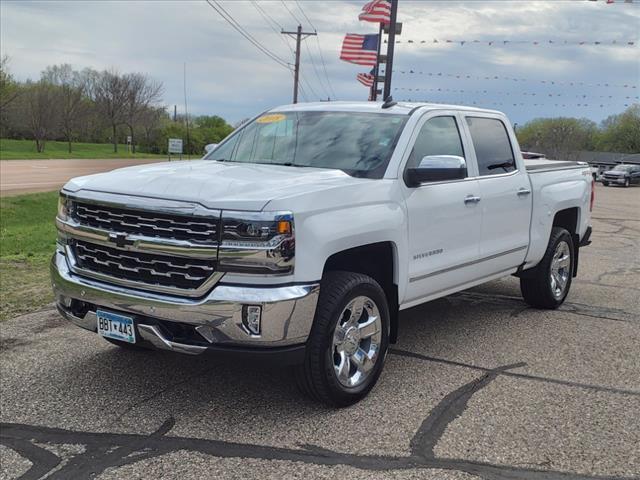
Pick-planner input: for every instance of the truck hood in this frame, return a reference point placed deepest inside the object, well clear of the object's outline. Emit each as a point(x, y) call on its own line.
point(230, 186)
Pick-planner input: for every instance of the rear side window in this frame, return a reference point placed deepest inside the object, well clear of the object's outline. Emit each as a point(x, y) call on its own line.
point(492, 146)
point(438, 136)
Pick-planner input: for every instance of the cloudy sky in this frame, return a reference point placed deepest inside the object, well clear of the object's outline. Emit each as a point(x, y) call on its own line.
point(228, 76)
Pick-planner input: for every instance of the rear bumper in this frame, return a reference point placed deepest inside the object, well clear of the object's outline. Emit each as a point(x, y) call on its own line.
point(212, 324)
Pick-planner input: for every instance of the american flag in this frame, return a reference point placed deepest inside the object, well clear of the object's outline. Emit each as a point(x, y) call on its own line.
point(378, 11)
point(366, 79)
point(360, 49)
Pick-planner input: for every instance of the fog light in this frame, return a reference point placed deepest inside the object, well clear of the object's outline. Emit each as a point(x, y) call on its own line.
point(251, 318)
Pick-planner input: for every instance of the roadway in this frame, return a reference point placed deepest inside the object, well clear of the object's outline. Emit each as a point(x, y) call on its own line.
point(28, 176)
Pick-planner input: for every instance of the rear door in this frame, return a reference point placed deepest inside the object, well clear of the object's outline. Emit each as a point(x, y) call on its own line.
point(505, 195)
point(443, 226)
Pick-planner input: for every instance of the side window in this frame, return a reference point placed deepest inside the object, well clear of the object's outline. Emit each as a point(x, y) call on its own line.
point(492, 146)
point(438, 136)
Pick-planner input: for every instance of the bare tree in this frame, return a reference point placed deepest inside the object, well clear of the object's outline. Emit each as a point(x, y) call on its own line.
point(143, 94)
point(110, 94)
point(72, 102)
point(9, 89)
point(149, 121)
point(39, 111)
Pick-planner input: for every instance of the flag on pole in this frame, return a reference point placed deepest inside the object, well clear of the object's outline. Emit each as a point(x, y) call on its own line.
point(366, 79)
point(378, 11)
point(360, 49)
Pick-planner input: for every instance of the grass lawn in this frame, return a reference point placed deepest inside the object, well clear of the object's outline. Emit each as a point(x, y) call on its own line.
point(26, 149)
point(27, 241)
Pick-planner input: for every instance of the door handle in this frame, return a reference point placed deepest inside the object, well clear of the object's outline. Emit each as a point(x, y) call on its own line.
point(523, 191)
point(471, 199)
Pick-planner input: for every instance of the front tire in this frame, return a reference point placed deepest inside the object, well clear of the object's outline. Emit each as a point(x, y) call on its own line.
point(626, 183)
point(606, 184)
point(548, 284)
point(348, 342)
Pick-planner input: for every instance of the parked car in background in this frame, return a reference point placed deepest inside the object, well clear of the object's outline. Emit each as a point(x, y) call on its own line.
point(303, 234)
point(624, 175)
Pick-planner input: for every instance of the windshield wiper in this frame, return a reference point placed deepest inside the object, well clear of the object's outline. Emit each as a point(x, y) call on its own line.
point(504, 165)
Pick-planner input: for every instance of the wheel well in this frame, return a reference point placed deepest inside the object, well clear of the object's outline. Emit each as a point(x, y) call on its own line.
point(568, 219)
point(377, 261)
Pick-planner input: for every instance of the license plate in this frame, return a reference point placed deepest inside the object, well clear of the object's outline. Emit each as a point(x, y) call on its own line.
point(116, 326)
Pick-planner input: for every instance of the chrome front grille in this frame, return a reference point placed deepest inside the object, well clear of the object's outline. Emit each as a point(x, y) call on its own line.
point(154, 245)
point(188, 274)
point(203, 230)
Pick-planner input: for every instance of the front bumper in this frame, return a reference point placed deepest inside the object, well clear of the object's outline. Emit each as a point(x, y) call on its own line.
point(619, 180)
point(193, 326)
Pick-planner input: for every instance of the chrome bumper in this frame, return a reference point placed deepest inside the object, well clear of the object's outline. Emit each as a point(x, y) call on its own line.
point(287, 312)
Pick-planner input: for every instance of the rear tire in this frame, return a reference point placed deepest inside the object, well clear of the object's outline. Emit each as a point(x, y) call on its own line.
point(547, 285)
point(346, 350)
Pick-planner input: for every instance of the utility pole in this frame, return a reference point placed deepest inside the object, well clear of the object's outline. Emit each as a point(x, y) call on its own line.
point(390, 45)
point(299, 36)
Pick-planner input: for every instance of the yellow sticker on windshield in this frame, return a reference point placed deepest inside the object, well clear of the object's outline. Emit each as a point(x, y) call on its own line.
point(274, 117)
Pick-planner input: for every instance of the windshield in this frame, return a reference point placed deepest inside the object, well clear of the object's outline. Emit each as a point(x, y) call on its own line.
point(359, 144)
point(623, 168)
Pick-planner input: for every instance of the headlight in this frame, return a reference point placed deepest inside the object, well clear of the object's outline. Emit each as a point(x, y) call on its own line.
point(63, 207)
point(257, 243)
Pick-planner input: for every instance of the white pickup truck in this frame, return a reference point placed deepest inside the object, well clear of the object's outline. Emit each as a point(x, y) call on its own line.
point(302, 236)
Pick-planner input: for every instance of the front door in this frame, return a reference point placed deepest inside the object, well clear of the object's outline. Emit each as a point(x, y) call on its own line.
point(444, 217)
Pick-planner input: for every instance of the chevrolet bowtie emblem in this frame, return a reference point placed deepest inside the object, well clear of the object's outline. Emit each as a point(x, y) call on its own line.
point(120, 239)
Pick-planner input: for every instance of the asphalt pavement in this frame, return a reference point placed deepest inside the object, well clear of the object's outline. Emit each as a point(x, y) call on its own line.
point(479, 386)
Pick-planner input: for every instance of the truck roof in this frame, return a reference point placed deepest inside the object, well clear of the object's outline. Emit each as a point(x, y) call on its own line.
point(373, 107)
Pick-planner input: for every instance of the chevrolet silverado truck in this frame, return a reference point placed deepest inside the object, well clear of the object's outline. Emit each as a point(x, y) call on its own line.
point(301, 237)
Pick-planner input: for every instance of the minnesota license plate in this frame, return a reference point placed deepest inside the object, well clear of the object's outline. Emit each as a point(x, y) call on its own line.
point(117, 327)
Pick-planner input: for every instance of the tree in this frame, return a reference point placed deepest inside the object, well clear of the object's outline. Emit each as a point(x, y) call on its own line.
point(9, 89)
point(110, 94)
point(39, 111)
point(72, 103)
point(142, 95)
point(621, 133)
point(558, 138)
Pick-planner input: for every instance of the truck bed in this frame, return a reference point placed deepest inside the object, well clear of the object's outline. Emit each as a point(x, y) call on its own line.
point(544, 165)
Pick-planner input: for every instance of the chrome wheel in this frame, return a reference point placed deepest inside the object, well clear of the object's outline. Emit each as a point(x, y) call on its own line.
point(356, 341)
point(560, 269)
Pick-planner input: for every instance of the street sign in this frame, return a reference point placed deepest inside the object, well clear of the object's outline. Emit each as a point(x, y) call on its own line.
point(175, 145)
point(129, 139)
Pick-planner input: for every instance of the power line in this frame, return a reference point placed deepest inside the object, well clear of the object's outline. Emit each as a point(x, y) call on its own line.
point(305, 16)
point(315, 69)
point(324, 67)
point(229, 18)
point(291, 13)
point(330, 90)
point(269, 21)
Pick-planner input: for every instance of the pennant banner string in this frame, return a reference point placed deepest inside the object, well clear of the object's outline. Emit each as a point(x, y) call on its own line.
point(516, 104)
point(462, 76)
point(511, 93)
point(490, 43)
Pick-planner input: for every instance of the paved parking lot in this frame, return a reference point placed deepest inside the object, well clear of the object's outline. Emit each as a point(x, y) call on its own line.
point(479, 386)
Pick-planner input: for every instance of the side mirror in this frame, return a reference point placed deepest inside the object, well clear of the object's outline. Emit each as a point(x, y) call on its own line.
point(209, 147)
point(437, 168)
